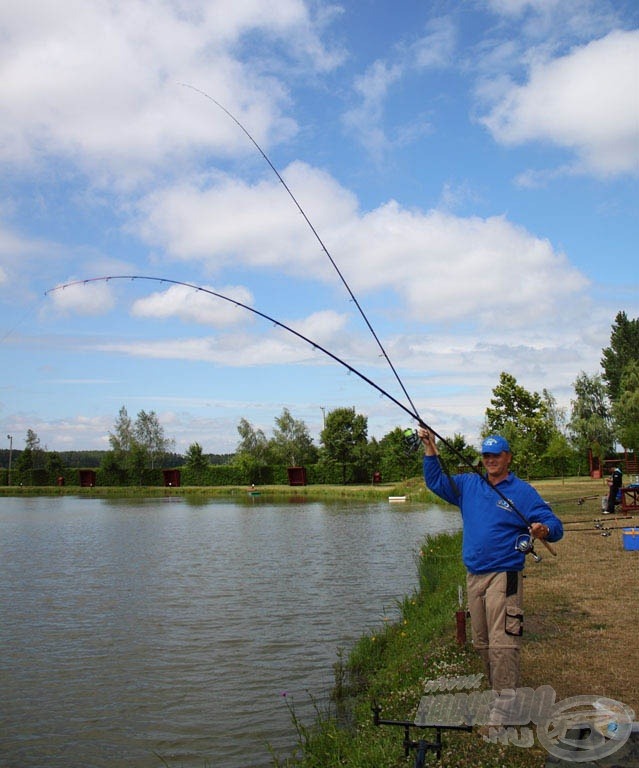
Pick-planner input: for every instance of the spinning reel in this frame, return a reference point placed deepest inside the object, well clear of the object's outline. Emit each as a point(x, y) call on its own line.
point(526, 544)
point(411, 439)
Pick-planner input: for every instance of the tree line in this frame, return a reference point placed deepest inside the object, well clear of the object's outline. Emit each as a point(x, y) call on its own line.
point(546, 440)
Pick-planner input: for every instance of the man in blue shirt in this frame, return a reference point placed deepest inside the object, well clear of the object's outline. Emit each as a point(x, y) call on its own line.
point(492, 531)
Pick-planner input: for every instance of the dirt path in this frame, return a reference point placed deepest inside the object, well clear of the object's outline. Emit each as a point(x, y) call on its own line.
point(582, 612)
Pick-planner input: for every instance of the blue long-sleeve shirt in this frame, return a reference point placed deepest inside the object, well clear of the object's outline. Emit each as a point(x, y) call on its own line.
point(491, 527)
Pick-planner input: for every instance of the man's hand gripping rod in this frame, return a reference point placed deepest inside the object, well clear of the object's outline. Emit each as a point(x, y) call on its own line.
point(527, 547)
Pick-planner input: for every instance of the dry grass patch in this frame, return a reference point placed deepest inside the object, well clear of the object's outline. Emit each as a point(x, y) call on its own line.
point(582, 607)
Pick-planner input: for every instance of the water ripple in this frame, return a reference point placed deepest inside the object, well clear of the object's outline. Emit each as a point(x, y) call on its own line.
point(140, 632)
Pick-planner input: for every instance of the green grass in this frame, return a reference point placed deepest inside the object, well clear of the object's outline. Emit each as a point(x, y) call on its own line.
point(414, 490)
point(390, 667)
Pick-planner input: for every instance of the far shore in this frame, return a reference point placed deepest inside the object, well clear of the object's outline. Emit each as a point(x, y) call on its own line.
point(414, 490)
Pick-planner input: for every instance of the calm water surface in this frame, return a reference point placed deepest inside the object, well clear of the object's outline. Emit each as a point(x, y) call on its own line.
point(162, 632)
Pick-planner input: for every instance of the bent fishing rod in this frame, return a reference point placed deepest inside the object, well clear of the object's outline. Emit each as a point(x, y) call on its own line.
point(360, 309)
point(201, 289)
point(317, 237)
point(529, 549)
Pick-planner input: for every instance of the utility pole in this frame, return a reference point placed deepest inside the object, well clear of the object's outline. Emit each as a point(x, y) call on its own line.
point(10, 439)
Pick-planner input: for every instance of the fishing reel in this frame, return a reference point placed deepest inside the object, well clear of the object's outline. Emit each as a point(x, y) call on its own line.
point(411, 439)
point(526, 544)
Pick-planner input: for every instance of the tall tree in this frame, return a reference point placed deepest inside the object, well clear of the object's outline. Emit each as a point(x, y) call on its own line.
point(122, 436)
point(623, 349)
point(524, 418)
point(252, 441)
point(196, 465)
point(29, 457)
point(292, 443)
point(25, 461)
point(32, 441)
point(451, 458)
point(136, 445)
point(559, 453)
point(397, 459)
point(54, 466)
point(344, 437)
point(252, 451)
point(195, 458)
point(149, 434)
point(626, 408)
point(137, 461)
point(34, 447)
point(590, 426)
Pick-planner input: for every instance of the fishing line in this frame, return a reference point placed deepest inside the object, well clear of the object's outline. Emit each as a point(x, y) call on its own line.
point(11, 331)
point(412, 412)
point(315, 345)
point(317, 237)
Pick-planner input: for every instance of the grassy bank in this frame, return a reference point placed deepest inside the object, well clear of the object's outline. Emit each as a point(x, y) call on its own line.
point(390, 667)
point(581, 618)
point(414, 489)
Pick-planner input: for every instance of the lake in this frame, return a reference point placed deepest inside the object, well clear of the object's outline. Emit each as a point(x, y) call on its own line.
point(146, 633)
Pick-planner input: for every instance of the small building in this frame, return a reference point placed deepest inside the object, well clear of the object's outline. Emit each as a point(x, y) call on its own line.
point(594, 465)
point(297, 475)
point(172, 478)
point(87, 478)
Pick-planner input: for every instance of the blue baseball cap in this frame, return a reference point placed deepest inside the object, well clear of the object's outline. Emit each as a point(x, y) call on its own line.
point(495, 444)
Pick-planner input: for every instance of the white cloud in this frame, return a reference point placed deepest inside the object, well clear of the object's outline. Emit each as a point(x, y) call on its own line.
point(14, 247)
point(76, 432)
point(442, 267)
point(434, 50)
point(226, 221)
point(453, 269)
point(365, 119)
point(98, 83)
point(231, 350)
point(236, 349)
point(85, 298)
point(586, 101)
point(194, 305)
point(321, 326)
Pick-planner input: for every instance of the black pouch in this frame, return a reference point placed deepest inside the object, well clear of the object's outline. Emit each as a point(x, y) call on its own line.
point(514, 622)
point(512, 583)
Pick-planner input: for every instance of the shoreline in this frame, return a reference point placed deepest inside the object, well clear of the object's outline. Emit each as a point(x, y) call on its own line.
point(580, 626)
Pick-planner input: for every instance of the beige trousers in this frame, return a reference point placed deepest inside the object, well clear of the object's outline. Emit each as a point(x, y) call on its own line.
point(495, 601)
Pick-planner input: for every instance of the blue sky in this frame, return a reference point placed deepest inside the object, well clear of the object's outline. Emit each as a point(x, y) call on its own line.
point(471, 167)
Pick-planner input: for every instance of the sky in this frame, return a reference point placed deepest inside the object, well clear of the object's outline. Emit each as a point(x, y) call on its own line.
point(463, 184)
